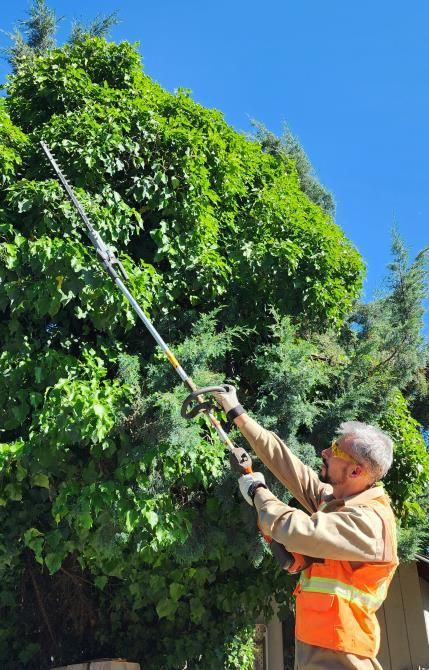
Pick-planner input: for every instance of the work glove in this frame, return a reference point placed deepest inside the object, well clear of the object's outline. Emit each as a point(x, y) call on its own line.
point(229, 402)
point(249, 484)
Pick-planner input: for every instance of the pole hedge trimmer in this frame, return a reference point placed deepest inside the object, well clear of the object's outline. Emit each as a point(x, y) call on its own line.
point(239, 458)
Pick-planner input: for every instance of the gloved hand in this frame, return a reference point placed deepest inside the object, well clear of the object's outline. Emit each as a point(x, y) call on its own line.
point(246, 482)
point(229, 401)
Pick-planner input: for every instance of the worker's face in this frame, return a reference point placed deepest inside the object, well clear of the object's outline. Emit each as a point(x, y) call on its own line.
point(338, 463)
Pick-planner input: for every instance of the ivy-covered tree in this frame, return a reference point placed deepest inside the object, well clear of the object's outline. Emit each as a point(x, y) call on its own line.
point(122, 532)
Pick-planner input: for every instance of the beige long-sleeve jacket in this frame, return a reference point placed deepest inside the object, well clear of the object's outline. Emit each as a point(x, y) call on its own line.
point(347, 530)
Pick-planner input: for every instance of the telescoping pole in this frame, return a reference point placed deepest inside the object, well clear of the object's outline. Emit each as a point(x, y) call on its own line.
point(109, 260)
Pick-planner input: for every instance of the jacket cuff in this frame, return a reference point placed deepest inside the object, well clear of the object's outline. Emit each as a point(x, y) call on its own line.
point(234, 412)
point(263, 495)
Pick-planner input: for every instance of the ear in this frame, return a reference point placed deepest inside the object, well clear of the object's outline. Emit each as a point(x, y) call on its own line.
point(356, 471)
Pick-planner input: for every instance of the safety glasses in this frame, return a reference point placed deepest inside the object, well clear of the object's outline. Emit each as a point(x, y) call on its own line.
point(339, 453)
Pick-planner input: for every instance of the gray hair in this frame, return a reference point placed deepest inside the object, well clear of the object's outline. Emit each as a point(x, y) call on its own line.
point(369, 445)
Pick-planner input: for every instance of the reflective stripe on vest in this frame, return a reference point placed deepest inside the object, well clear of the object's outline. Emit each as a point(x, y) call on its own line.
point(345, 591)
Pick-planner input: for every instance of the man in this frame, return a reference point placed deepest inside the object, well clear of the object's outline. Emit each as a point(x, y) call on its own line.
point(350, 528)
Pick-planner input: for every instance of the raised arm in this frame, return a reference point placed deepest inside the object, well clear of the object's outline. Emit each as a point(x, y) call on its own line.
point(302, 481)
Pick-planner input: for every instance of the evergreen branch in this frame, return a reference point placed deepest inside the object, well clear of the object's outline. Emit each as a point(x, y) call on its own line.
point(326, 359)
point(389, 358)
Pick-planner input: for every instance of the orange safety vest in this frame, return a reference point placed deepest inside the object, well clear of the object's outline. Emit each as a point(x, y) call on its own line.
point(336, 601)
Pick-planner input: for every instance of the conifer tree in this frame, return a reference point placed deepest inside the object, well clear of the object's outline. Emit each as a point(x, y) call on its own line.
point(290, 146)
point(98, 27)
point(36, 36)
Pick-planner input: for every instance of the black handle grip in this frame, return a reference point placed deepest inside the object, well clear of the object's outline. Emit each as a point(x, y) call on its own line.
point(292, 563)
point(283, 557)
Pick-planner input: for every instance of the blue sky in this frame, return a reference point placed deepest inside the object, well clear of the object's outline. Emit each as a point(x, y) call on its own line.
point(349, 79)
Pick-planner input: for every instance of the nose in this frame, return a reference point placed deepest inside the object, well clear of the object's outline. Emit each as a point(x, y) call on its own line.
point(326, 452)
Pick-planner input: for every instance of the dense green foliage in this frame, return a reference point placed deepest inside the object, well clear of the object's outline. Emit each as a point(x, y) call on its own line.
point(122, 532)
point(409, 440)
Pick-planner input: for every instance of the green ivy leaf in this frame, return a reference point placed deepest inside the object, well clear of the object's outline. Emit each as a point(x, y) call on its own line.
point(166, 607)
point(53, 562)
point(100, 582)
point(34, 539)
point(197, 610)
point(24, 205)
point(40, 479)
point(152, 518)
point(13, 491)
point(177, 590)
point(85, 519)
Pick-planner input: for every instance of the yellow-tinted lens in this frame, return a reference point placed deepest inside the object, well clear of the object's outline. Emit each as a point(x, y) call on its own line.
point(339, 453)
